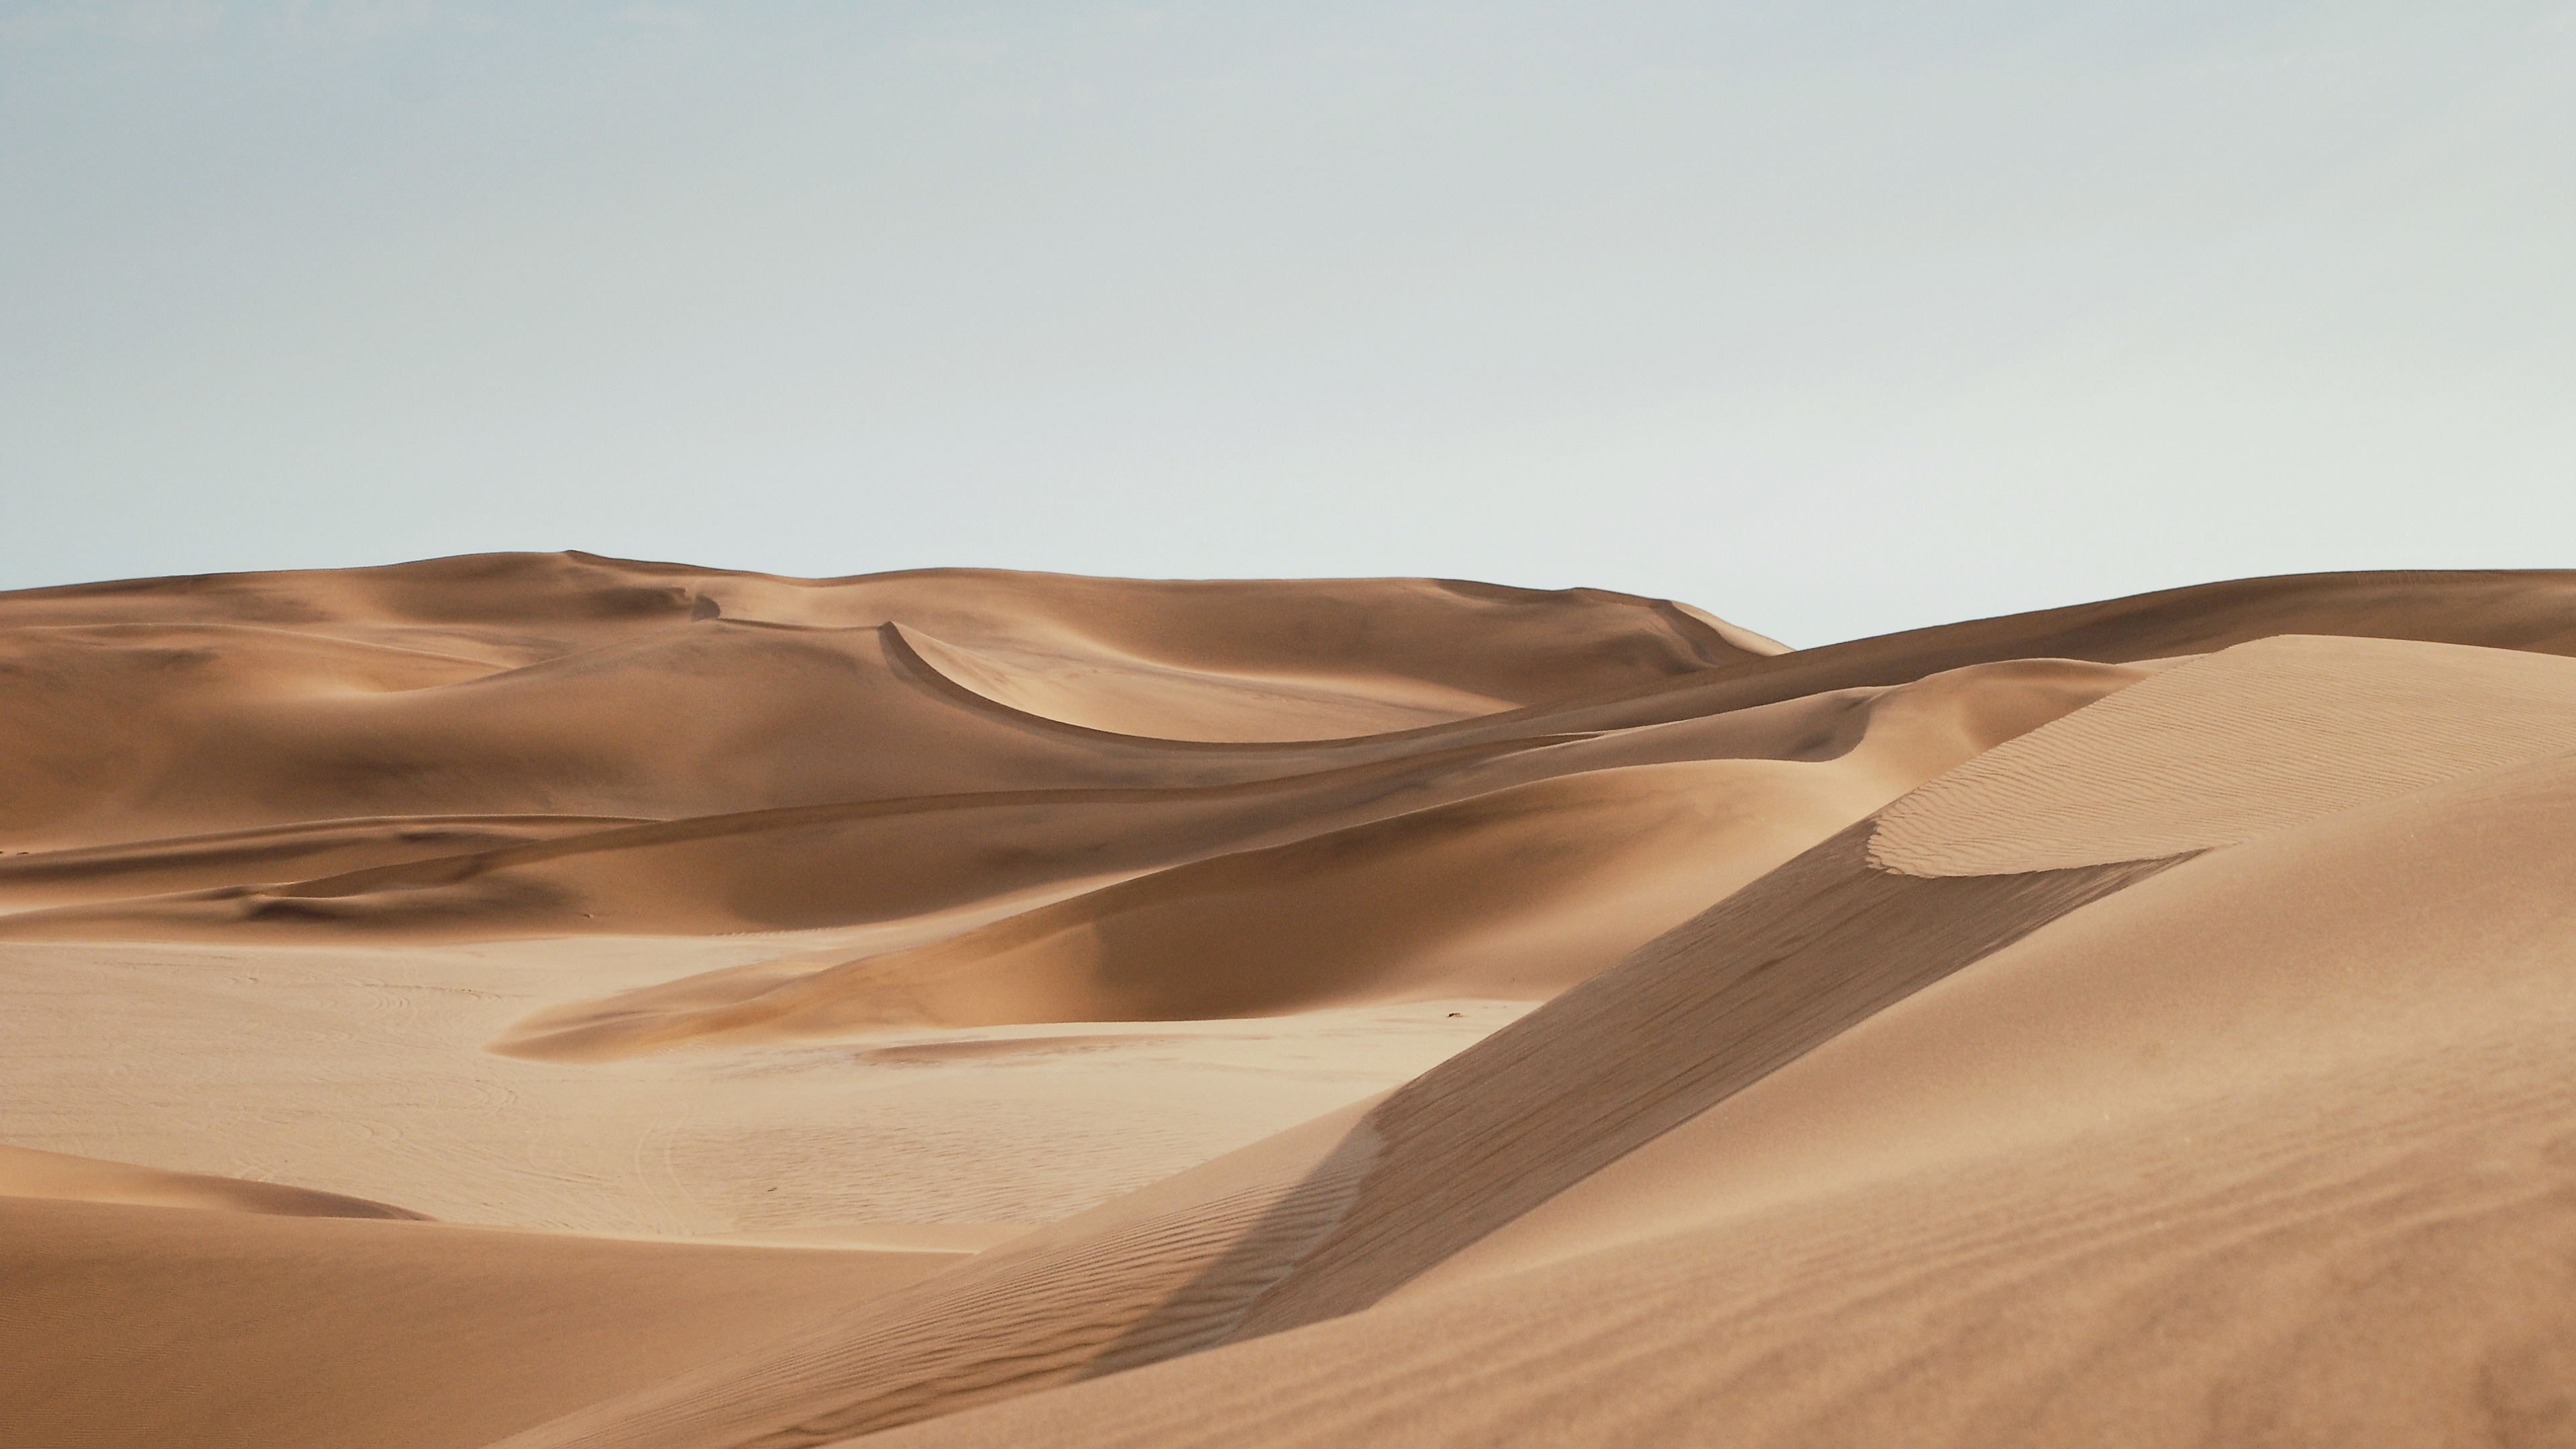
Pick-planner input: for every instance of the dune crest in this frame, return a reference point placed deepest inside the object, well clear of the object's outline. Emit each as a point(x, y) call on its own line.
point(1511, 892)
point(2230, 746)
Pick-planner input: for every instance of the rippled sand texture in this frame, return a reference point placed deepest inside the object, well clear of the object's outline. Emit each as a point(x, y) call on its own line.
point(559, 1001)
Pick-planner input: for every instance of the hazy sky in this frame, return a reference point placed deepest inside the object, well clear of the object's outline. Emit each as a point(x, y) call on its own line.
point(1831, 317)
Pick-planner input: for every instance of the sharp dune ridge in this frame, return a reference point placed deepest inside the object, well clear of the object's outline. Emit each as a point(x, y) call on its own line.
point(535, 1001)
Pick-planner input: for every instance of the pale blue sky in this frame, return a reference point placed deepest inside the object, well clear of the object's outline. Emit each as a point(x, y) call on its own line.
point(1831, 317)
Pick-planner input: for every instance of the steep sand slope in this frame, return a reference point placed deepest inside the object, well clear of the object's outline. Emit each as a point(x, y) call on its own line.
point(2270, 1146)
point(2233, 745)
point(139, 1326)
point(2235, 972)
point(1274, 1237)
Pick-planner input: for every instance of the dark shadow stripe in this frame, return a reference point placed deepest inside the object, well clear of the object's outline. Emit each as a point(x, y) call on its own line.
point(1691, 1018)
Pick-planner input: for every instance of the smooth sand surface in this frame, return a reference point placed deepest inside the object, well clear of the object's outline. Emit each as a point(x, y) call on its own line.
point(2231, 746)
point(973, 1008)
point(25, 1173)
point(143, 1325)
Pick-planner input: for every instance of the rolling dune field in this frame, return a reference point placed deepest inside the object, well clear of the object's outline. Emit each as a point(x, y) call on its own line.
point(537, 1001)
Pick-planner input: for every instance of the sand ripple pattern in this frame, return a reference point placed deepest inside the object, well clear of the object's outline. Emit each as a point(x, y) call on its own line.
point(2234, 745)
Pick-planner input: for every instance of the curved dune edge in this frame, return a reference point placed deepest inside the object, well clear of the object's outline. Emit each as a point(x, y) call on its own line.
point(838, 864)
point(1697, 1015)
point(28, 1173)
point(2038, 1030)
point(1350, 1207)
point(572, 685)
point(1138, 699)
point(2272, 1145)
point(1515, 892)
point(1506, 1127)
point(792, 868)
point(2230, 746)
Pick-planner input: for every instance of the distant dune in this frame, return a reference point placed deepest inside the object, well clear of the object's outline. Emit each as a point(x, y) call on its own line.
point(985, 1009)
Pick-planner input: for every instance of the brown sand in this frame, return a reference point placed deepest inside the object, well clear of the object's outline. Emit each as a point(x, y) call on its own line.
point(143, 1325)
point(982, 1008)
point(27, 1173)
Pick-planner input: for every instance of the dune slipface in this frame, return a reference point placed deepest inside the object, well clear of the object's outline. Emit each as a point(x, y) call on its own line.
point(561, 1001)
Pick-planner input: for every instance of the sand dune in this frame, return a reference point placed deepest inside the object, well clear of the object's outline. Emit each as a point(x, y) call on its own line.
point(1384, 1011)
point(142, 1325)
point(519, 684)
point(2232, 746)
point(26, 1173)
point(1518, 891)
point(2268, 1147)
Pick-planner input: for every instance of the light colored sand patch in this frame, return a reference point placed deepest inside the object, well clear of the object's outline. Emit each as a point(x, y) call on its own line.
point(362, 1072)
point(2231, 746)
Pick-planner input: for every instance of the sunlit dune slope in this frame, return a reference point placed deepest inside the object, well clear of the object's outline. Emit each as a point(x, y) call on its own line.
point(2136, 1023)
point(1518, 890)
point(515, 744)
point(26, 1173)
point(2266, 1146)
point(566, 684)
point(2233, 745)
point(1362, 1209)
point(873, 860)
point(2533, 611)
point(2236, 1196)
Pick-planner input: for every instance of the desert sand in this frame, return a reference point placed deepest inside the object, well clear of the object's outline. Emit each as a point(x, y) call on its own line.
point(550, 1000)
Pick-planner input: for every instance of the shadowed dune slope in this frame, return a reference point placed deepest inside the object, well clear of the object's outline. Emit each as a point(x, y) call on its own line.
point(235, 734)
point(2270, 1147)
point(140, 870)
point(1767, 782)
point(27, 1173)
point(1160, 1272)
point(130, 1325)
point(1694, 1016)
point(1467, 1171)
point(2529, 610)
point(1359, 1207)
point(2137, 1023)
point(1517, 891)
point(543, 684)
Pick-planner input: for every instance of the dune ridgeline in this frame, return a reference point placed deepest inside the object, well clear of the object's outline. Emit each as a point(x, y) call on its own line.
point(557, 1002)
